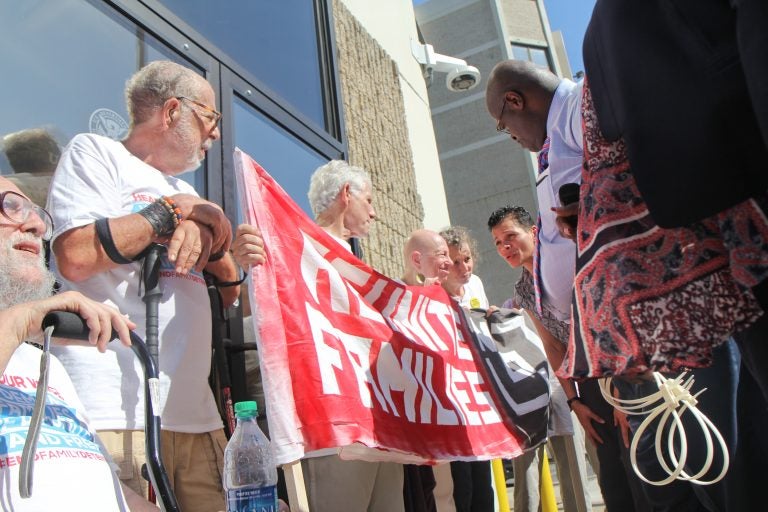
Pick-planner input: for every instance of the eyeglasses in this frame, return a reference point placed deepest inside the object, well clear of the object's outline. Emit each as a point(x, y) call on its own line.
point(17, 209)
point(212, 115)
point(500, 125)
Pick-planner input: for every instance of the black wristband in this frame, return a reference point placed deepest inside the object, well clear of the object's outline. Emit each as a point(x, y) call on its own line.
point(160, 218)
point(571, 400)
point(105, 238)
point(216, 256)
point(225, 284)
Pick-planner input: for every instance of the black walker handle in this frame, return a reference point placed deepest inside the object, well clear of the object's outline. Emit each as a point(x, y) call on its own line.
point(150, 276)
point(72, 326)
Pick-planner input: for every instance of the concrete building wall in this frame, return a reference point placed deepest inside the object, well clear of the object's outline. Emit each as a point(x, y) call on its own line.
point(391, 26)
point(523, 21)
point(482, 169)
point(461, 25)
point(561, 55)
point(379, 139)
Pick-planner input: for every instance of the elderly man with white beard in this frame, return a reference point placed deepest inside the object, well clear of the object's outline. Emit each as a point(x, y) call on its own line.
point(67, 446)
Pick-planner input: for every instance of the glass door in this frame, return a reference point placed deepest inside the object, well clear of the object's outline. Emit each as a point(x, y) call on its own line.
point(64, 65)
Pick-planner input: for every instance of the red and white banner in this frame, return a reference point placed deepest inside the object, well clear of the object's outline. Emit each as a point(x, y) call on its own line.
point(351, 358)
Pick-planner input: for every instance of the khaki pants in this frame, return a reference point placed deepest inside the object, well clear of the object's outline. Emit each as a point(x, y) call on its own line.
point(571, 469)
point(443, 487)
point(193, 462)
point(335, 485)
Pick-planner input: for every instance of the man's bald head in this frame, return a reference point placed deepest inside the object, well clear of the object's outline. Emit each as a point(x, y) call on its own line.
point(426, 254)
point(421, 240)
point(518, 96)
point(517, 75)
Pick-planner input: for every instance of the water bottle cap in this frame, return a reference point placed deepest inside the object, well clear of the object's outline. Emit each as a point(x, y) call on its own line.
point(248, 408)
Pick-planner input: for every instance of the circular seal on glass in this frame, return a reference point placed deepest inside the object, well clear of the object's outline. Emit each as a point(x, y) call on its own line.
point(108, 123)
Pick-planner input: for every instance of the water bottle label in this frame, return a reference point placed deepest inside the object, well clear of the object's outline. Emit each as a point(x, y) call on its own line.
point(252, 499)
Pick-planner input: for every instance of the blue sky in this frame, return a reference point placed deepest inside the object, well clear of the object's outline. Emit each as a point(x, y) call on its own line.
point(571, 18)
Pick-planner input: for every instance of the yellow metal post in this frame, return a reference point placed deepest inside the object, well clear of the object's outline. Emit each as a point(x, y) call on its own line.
point(501, 485)
point(548, 501)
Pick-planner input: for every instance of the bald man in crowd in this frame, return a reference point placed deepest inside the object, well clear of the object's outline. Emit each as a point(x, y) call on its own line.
point(542, 113)
point(426, 258)
point(427, 262)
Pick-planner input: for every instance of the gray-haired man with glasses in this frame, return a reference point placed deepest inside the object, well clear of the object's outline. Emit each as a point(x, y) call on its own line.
point(110, 201)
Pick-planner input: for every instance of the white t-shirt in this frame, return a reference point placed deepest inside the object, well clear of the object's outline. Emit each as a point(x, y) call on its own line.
point(71, 470)
point(97, 177)
point(558, 254)
point(474, 294)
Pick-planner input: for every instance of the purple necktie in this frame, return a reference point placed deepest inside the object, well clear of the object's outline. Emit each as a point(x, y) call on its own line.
point(543, 164)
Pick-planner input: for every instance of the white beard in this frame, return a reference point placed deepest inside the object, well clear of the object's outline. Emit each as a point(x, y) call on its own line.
point(185, 140)
point(20, 279)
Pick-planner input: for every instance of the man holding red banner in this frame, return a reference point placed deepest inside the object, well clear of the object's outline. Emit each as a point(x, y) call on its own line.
point(340, 196)
point(359, 362)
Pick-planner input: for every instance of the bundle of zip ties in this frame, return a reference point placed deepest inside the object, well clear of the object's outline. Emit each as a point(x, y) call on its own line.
point(673, 399)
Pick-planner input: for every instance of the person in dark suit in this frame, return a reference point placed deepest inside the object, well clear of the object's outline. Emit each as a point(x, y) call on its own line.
point(685, 84)
point(679, 91)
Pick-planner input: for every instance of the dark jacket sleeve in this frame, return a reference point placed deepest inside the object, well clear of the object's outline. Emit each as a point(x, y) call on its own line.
point(666, 75)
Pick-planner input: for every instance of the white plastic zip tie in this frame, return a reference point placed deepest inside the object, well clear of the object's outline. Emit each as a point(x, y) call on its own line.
point(26, 468)
point(673, 399)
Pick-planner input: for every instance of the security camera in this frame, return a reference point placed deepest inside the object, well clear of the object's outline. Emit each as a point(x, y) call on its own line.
point(461, 77)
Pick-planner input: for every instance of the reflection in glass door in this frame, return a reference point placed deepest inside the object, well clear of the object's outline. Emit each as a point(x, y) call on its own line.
point(287, 159)
point(273, 42)
point(69, 60)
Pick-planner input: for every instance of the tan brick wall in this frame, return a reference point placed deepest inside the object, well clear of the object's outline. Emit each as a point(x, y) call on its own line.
point(374, 114)
point(523, 19)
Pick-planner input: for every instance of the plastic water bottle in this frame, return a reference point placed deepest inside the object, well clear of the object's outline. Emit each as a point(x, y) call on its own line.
point(250, 475)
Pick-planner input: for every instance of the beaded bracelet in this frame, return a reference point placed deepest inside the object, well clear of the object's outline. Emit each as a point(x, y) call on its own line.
point(173, 208)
